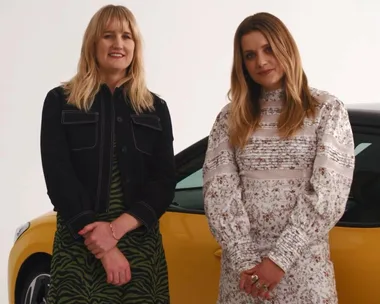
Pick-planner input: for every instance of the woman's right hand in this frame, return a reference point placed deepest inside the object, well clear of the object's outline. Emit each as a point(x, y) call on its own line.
point(117, 267)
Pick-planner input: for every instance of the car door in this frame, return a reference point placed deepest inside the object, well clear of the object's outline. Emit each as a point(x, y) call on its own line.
point(355, 246)
point(192, 253)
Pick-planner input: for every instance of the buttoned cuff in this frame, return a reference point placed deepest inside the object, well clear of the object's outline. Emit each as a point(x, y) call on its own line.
point(288, 248)
point(79, 221)
point(243, 256)
point(144, 213)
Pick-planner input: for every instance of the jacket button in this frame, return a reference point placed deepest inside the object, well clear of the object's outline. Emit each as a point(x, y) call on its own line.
point(124, 149)
point(119, 119)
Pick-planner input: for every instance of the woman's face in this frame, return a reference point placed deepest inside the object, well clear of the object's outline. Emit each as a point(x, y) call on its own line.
point(115, 49)
point(260, 62)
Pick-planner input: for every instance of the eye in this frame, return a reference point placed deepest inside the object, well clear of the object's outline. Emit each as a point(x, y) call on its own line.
point(250, 56)
point(127, 36)
point(107, 36)
point(268, 50)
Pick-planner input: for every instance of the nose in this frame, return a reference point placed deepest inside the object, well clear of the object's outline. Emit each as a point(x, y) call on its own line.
point(118, 43)
point(262, 60)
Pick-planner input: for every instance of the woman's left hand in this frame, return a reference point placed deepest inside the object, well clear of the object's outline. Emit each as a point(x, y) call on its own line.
point(98, 238)
point(267, 275)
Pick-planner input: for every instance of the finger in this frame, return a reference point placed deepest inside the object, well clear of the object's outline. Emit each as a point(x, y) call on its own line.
point(246, 277)
point(263, 291)
point(100, 255)
point(250, 279)
point(116, 279)
point(128, 274)
point(96, 251)
point(256, 288)
point(88, 228)
point(248, 284)
point(94, 248)
point(251, 271)
point(90, 246)
point(109, 277)
point(272, 286)
point(89, 240)
point(268, 294)
point(242, 284)
point(122, 277)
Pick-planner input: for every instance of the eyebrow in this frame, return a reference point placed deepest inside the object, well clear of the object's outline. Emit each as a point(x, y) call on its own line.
point(112, 32)
point(262, 47)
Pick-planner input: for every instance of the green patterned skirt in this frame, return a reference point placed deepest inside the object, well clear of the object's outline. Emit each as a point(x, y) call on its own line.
point(77, 277)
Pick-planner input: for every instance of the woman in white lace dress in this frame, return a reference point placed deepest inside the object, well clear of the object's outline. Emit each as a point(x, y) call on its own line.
point(277, 174)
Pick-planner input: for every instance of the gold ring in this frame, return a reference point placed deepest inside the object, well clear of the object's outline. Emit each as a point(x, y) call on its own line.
point(254, 278)
point(258, 285)
point(265, 287)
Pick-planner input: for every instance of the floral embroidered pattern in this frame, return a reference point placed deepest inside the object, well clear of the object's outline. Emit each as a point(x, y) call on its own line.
point(280, 198)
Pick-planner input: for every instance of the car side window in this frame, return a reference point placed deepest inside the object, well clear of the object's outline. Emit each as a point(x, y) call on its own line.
point(194, 180)
point(189, 195)
point(363, 206)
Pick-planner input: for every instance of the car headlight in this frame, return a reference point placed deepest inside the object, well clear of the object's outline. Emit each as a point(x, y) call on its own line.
point(20, 230)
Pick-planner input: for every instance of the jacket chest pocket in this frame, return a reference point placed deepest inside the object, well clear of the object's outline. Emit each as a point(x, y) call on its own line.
point(146, 130)
point(81, 129)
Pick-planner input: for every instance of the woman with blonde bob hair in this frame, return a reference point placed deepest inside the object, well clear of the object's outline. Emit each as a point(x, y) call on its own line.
point(277, 173)
point(108, 162)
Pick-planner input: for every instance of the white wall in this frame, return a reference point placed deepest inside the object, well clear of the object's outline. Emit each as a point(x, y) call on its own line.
point(188, 58)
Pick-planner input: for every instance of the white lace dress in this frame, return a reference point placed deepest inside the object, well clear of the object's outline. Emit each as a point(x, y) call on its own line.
point(279, 198)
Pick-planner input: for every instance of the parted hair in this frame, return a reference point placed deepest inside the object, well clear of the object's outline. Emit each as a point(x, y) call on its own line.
point(83, 87)
point(244, 93)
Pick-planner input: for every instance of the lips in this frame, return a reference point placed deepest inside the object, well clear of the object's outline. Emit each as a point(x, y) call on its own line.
point(116, 55)
point(265, 72)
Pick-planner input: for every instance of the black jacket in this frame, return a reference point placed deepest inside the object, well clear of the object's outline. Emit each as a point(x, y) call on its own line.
point(77, 149)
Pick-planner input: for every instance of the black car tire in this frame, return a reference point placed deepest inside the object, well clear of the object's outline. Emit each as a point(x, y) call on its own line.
point(35, 287)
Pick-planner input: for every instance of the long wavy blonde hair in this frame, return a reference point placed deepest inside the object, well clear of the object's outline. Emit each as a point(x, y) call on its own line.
point(244, 93)
point(83, 87)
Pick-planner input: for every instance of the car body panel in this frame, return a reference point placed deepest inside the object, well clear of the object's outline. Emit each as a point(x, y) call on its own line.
point(193, 256)
point(355, 253)
point(38, 238)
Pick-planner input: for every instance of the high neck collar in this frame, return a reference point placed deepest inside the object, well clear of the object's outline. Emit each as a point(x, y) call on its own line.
point(273, 95)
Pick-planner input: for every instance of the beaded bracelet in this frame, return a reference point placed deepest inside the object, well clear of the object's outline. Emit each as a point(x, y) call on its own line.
point(113, 233)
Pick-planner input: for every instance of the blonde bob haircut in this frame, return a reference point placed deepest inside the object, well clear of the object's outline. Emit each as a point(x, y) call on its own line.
point(83, 87)
point(244, 93)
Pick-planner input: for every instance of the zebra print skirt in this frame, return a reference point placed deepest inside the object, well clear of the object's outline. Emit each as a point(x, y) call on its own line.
point(77, 277)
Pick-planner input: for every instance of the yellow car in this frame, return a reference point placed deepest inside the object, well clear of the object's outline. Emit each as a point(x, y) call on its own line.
point(192, 253)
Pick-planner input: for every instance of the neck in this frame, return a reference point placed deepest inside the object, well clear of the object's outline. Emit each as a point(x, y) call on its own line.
point(272, 94)
point(112, 80)
point(271, 89)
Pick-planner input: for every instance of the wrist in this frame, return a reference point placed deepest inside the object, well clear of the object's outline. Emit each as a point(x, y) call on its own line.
point(113, 232)
point(124, 224)
point(274, 263)
point(109, 252)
